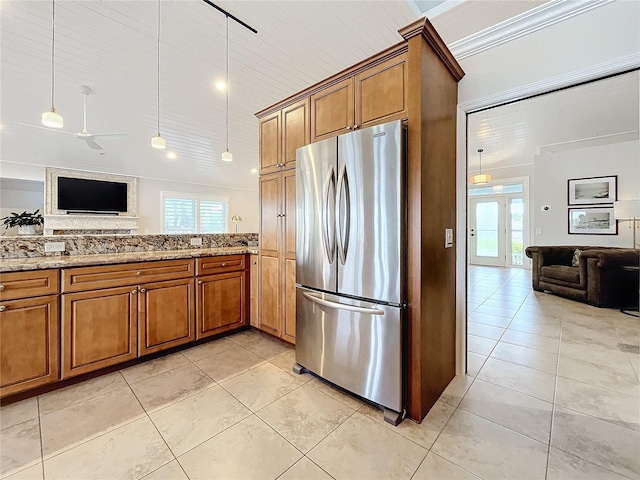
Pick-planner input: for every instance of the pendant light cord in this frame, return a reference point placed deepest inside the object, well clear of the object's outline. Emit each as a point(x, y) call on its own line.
point(53, 50)
point(158, 105)
point(480, 150)
point(227, 83)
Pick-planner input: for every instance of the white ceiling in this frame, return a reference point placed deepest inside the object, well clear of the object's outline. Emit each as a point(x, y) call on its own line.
point(111, 47)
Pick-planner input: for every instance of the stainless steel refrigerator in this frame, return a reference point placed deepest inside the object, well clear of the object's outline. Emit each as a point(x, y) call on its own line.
point(350, 263)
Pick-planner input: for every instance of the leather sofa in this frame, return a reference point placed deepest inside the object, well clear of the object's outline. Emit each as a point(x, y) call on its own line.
point(598, 279)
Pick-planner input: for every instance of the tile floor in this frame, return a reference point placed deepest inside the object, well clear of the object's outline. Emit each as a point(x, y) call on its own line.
point(551, 392)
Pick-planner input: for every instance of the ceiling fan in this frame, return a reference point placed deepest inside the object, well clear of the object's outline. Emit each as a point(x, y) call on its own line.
point(84, 134)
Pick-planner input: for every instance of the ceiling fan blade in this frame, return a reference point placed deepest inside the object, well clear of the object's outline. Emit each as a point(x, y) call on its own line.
point(109, 134)
point(92, 143)
point(44, 128)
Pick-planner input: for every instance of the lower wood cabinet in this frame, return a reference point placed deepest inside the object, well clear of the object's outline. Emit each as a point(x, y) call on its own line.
point(253, 291)
point(29, 343)
point(269, 292)
point(221, 303)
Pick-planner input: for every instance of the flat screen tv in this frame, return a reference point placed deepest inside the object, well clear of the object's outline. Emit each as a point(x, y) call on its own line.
point(82, 195)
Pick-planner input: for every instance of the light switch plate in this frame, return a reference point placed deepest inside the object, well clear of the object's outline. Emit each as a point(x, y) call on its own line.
point(54, 247)
point(448, 238)
point(196, 242)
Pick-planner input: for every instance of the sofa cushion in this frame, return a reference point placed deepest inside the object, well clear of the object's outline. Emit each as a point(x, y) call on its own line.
point(561, 272)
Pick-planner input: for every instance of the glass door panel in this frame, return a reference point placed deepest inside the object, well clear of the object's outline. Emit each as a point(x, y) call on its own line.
point(486, 231)
point(516, 224)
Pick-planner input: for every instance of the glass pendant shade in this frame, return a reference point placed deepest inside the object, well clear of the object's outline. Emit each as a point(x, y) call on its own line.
point(158, 142)
point(480, 179)
point(52, 119)
point(227, 156)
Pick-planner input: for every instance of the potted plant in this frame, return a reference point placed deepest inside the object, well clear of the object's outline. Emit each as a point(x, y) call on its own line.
point(26, 222)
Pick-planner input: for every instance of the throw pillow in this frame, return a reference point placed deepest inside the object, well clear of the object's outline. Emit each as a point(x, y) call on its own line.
point(575, 261)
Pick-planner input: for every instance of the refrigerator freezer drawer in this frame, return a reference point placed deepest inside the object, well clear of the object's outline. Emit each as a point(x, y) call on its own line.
point(356, 345)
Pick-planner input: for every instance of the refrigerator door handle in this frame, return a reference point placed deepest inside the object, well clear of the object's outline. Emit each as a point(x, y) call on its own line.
point(342, 306)
point(328, 234)
point(343, 237)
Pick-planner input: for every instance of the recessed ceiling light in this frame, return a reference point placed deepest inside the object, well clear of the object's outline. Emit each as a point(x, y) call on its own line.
point(254, 170)
point(172, 155)
point(221, 85)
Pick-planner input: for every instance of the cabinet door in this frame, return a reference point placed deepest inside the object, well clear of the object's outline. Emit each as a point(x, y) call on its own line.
point(296, 130)
point(289, 219)
point(381, 93)
point(98, 329)
point(221, 303)
point(165, 315)
point(270, 146)
point(332, 110)
point(29, 349)
point(270, 211)
point(269, 291)
point(253, 291)
point(289, 300)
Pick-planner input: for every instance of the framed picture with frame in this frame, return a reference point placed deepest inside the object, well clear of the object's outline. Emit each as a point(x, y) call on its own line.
point(593, 190)
point(592, 221)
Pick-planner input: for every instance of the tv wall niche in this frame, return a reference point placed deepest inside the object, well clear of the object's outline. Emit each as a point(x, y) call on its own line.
point(58, 220)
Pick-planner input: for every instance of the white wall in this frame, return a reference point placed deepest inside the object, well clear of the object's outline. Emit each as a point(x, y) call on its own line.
point(554, 169)
point(19, 196)
point(241, 202)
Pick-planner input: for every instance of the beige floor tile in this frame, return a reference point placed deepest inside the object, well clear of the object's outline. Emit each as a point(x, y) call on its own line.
point(268, 348)
point(608, 445)
point(305, 469)
point(484, 331)
point(503, 302)
point(542, 329)
point(435, 467)
point(170, 471)
point(79, 392)
point(513, 410)
point(599, 402)
point(334, 392)
point(498, 311)
point(479, 345)
point(285, 361)
point(154, 367)
point(600, 375)
point(208, 349)
point(169, 387)
point(131, 451)
point(34, 472)
point(245, 338)
point(424, 433)
point(248, 450)
point(597, 354)
point(361, 448)
point(18, 412)
point(474, 363)
point(536, 342)
point(563, 466)
point(521, 379)
point(191, 421)
point(456, 389)
point(261, 386)
point(487, 319)
point(527, 357)
point(489, 450)
point(20, 447)
point(305, 416)
point(66, 428)
point(228, 364)
point(536, 317)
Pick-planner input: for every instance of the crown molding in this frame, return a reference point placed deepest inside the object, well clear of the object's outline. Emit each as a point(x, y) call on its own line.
point(592, 72)
point(537, 18)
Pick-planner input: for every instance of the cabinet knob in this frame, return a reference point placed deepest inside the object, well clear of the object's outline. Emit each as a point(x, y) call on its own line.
point(254, 263)
point(138, 273)
point(2, 308)
point(223, 264)
point(348, 127)
point(355, 127)
point(133, 292)
point(199, 282)
point(142, 290)
point(1, 288)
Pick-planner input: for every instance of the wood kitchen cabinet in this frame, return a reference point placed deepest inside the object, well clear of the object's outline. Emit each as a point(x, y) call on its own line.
point(221, 296)
point(253, 290)
point(281, 134)
point(373, 96)
point(276, 288)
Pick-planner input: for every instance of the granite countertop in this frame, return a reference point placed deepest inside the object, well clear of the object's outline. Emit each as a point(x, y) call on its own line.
point(66, 261)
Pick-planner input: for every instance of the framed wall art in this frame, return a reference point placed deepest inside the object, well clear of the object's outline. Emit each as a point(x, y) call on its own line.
point(592, 191)
point(592, 221)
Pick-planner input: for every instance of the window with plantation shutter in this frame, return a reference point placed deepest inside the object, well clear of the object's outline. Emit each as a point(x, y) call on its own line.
point(188, 213)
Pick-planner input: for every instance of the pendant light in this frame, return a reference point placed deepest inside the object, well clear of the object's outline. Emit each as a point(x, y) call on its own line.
point(480, 178)
point(226, 155)
point(157, 141)
point(52, 118)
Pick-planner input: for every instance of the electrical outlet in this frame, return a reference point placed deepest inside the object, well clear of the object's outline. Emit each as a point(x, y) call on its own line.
point(196, 242)
point(448, 238)
point(545, 208)
point(54, 247)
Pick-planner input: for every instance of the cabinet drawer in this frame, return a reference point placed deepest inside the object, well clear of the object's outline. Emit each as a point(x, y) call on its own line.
point(105, 276)
point(227, 263)
point(28, 284)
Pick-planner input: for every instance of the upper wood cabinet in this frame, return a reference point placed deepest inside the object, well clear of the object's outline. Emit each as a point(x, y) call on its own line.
point(270, 212)
point(373, 96)
point(281, 134)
